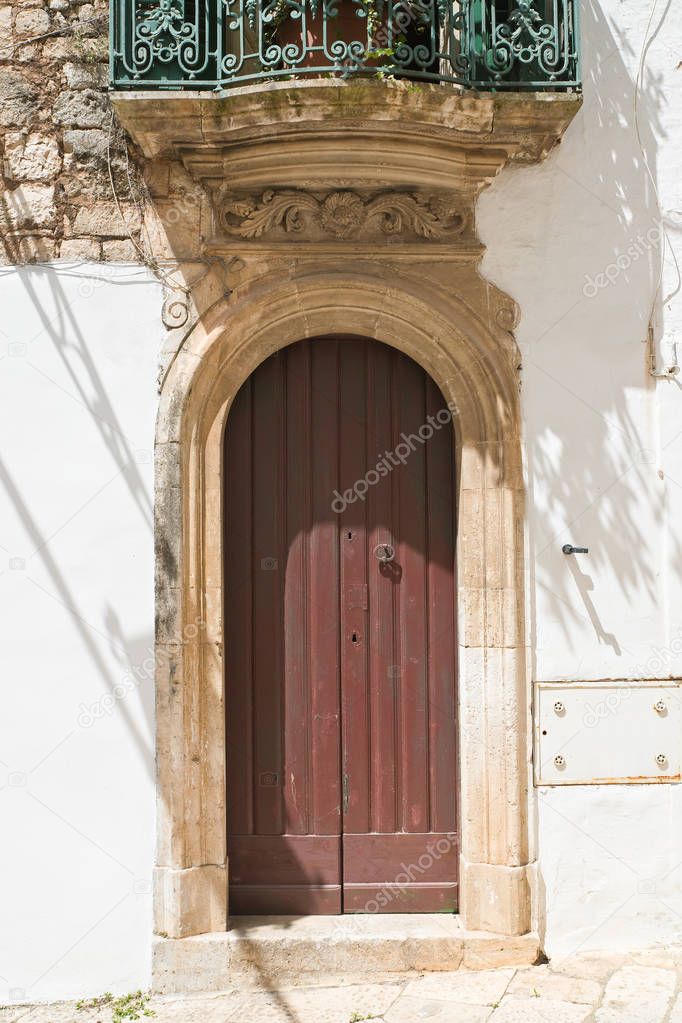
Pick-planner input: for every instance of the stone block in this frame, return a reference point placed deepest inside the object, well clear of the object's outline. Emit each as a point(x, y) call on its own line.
point(90, 22)
point(122, 251)
point(6, 36)
point(84, 108)
point(18, 100)
point(86, 143)
point(105, 220)
point(27, 206)
point(57, 48)
point(33, 157)
point(95, 51)
point(29, 249)
point(495, 898)
point(28, 54)
point(190, 901)
point(157, 177)
point(85, 76)
point(32, 22)
point(173, 228)
point(86, 249)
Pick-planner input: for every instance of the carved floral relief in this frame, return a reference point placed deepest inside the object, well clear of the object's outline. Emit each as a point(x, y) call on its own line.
point(297, 215)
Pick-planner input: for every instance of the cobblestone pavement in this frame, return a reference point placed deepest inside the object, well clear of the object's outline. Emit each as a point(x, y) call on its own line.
point(641, 987)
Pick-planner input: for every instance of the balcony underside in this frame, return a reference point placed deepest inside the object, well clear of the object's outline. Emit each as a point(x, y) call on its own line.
point(363, 136)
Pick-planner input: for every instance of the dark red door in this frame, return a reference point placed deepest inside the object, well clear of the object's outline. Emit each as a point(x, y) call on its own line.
point(340, 635)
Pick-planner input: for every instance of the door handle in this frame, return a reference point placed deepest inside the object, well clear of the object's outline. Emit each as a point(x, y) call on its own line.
point(384, 552)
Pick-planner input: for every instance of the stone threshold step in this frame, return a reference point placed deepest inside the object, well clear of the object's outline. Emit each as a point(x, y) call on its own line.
point(267, 952)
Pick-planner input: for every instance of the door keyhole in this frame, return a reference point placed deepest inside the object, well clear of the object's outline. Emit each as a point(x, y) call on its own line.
point(355, 638)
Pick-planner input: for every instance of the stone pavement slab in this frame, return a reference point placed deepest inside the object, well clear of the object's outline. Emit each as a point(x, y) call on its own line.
point(597, 966)
point(483, 987)
point(637, 994)
point(643, 987)
point(539, 1010)
point(542, 982)
point(317, 1005)
point(676, 1014)
point(411, 1010)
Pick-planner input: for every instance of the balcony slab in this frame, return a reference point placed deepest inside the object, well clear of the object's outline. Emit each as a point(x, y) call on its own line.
point(439, 144)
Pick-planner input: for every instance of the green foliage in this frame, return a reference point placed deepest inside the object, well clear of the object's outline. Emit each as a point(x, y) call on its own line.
point(125, 1007)
point(95, 1003)
point(388, 51)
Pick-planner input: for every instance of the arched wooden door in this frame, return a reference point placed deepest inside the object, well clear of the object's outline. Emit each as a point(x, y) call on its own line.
point(340, 635)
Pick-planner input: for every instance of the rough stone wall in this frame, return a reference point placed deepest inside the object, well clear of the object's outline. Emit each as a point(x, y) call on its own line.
point(71, 185)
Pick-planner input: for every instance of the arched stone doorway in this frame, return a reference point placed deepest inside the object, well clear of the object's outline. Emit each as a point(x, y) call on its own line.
point(472, 359)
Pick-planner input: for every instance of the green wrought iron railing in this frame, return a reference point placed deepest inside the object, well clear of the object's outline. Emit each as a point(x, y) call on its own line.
point(215, 44)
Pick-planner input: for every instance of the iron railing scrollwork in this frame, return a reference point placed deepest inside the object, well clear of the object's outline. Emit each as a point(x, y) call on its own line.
point(215, 44)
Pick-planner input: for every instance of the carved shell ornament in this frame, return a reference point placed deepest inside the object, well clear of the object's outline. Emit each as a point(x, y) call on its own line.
point(338, 215)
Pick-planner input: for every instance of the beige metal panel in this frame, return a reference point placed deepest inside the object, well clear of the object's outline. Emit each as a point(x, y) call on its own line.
point(596, 733)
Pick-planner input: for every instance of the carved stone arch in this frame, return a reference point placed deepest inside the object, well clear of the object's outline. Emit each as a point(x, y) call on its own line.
point(473, 360)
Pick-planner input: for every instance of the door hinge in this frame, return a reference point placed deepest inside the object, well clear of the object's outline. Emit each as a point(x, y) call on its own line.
point(346, 793)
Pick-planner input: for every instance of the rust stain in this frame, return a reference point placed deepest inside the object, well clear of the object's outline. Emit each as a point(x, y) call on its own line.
point(638, 779)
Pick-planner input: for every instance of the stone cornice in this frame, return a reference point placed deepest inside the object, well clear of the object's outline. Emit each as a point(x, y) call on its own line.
point(164, 122)
point(364, 137)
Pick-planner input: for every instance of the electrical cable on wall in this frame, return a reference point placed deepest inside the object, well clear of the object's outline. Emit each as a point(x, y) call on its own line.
point(175, 311)
point(673, 370)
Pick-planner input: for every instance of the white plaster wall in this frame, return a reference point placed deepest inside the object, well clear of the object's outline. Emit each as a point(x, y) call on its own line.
point(611, 866)
point(603, 447)
point(78, 361)
point(78, 357)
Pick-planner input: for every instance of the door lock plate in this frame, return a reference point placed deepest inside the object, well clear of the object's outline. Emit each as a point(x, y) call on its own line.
point(356, 596)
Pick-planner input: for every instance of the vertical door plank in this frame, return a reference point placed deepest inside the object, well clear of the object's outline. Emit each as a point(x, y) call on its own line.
point(239, 617)
point(384, 669)
point(353, 547)
point(412, 558)
point(324, 639)
point(296, 499)
point(268, 567)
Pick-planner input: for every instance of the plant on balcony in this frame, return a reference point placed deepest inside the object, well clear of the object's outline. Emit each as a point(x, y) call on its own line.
point(355, 35)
